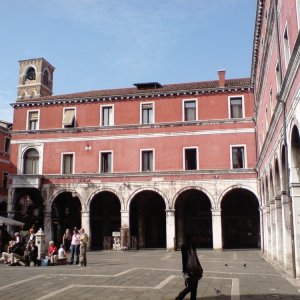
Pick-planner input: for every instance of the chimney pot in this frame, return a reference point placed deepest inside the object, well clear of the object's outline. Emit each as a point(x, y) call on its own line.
point(221, 74)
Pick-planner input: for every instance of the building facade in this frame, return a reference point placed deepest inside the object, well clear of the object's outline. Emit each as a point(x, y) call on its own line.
point(6, 167)
point(153, 161)
point(275, 78)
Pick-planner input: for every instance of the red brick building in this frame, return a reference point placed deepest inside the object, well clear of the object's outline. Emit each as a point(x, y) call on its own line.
point(154, 161)
point(6, 168)
point(276, 77)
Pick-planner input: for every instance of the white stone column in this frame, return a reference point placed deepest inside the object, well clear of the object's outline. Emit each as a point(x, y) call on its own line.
point(217, 229)
point(48, 229)
point(273, 230)
point(278, 224)
point(268, 231)
point(125, 232)
point(170, 228)
point(85, 223)
point(287, 247)
point(295, 196)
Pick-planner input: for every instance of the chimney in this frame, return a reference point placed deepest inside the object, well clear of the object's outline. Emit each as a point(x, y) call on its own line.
point(221, 74)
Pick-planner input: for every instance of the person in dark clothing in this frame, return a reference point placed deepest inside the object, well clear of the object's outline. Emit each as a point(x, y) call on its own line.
point(188, 252)
point(31, 254)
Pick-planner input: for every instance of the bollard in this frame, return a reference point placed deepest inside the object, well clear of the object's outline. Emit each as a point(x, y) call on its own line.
point(40, 243)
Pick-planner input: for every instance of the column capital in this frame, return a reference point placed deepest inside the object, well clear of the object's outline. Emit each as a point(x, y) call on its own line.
point(216, 211)
point(170, 212)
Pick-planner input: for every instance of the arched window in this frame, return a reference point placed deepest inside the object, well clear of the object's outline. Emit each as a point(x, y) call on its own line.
point(30, 74)
point(31, 162)
point(46, 77)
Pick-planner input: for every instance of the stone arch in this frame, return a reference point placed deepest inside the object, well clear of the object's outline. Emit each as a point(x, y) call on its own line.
point(65, 207)
point(46, 76)
point(283, 167)
point(147, 218)
point(272, 185)
point(28, 206)
point(105, 217)
point(137, 191)
point(277, 176)
point(295, 153)
point(30, 73)
point(193, 215)
point(64, 190)
point(236, 186)
point(205, 191)
point(113, 191)
point(240, 219)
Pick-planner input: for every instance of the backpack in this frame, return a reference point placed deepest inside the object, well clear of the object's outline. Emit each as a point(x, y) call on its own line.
point(194, 268)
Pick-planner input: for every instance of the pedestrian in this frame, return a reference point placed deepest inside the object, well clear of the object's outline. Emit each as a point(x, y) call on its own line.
point(191, 269)
point(83, 247)
point(66, 240)
point(75, 246)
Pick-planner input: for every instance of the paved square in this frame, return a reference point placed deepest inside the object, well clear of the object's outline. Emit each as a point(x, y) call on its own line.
point(149, 274)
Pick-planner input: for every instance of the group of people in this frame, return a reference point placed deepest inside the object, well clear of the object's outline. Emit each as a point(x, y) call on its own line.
point(75, 242)
point(20, 248)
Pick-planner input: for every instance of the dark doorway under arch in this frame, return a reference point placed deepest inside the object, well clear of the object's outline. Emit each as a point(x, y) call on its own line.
point(193, 217)
point(29, 207)
point(148, 220)
point(65, 213)
point(240, 219)
point(105, 217)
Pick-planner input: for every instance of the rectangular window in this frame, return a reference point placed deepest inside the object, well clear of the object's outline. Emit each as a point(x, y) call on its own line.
point(67, 163)
point(190, 159)
point(106, 162)
point(238, 157)
point(7, 145)
point(5, 180)
point(69, 118)
point(147, 160)
point(33, 120)
point(236, 107)
point(286, 47)
point(147, 113)
point(190, 108)
point(107, 118)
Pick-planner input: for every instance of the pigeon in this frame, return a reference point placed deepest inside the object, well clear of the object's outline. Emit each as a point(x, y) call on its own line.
point(244, 265)
point(218, 292)
point(226, 265)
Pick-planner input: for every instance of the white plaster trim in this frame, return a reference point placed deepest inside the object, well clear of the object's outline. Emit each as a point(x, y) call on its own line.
point(136, 136)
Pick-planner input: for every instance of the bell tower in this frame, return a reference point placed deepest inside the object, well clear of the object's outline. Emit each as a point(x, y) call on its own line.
point(35, 79)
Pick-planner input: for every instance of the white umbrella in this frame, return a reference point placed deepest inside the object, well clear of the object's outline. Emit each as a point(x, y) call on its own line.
point(11, 222)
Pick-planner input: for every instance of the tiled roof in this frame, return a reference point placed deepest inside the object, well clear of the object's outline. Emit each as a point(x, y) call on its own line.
point(168, 88)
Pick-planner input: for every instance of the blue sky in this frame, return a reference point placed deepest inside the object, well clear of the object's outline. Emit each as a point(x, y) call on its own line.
point(100, 44)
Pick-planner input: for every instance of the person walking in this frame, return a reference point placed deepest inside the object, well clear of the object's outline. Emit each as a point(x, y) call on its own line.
point(83, 247)
point(75, 246)
point(191, 269)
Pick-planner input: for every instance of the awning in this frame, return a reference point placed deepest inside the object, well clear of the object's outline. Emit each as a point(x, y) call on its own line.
point(69, 117)
point(11, 222)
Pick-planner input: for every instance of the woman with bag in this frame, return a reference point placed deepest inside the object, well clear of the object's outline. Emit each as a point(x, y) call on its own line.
point(191, 269)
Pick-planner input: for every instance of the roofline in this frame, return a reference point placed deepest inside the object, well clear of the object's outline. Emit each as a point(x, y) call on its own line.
point(137, 95)
point(256, 37)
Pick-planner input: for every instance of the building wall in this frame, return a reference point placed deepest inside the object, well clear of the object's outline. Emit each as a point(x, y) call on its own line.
point(278, 192)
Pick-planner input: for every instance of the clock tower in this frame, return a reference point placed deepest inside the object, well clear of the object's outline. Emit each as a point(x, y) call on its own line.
point(35, 79)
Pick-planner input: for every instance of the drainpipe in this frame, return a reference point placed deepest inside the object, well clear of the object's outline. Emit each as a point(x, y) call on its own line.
point(286, 170)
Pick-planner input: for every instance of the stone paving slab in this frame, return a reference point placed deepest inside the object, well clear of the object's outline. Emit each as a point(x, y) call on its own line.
point(150, 274)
